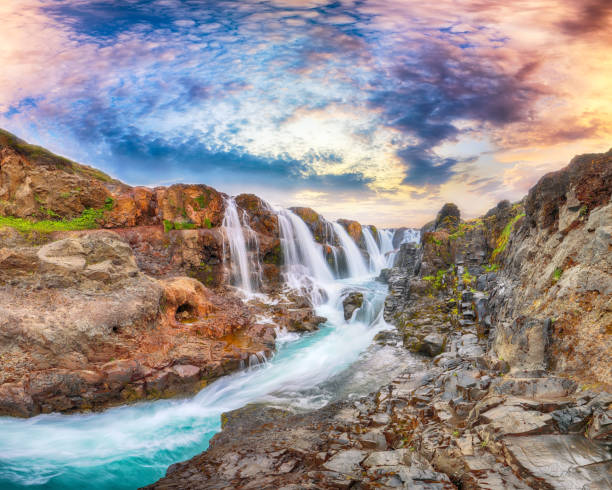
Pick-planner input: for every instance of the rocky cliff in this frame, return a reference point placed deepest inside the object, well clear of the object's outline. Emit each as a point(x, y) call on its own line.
point(511, 314)
point(111, 293)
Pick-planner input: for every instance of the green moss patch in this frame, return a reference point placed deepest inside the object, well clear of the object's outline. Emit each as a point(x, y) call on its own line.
point(177, 225)
point(502, 242)
point(87, 221)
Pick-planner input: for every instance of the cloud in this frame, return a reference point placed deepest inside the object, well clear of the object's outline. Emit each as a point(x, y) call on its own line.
point(591, 16)
point(440, 85)
point(383, 101)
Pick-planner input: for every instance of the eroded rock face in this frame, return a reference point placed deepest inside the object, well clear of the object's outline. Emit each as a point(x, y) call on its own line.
point(195, 204)
point(36, 183)
point(82, 327)
point(556, 270)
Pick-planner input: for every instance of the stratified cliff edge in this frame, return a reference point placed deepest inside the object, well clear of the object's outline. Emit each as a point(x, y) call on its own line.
point(514, 311)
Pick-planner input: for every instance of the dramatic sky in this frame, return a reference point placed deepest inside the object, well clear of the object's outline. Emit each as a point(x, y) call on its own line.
point(376, 110)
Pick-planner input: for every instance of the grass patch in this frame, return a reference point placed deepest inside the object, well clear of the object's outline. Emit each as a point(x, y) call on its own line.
point(177, 225)
point(557, 273)
point(505, 236)
point(433, 239)
point(491, 267)
point(109, 203)
point(87, 221)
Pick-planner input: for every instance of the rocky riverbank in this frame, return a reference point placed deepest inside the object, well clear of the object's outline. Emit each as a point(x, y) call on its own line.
point(513, 311)
point(111, 294)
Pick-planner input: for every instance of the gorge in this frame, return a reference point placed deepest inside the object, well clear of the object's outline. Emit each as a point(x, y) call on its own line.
point(140, 327)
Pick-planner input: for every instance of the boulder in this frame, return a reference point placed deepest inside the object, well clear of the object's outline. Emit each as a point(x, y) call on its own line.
point(560, 461)
point(432, 345)
point(352, 301)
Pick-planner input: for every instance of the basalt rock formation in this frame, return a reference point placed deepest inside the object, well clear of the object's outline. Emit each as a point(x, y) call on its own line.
point(511, 315)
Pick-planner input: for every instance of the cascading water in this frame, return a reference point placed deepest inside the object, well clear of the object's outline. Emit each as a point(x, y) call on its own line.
point(355, 262)
point(246, 275)
point(305, 268)
point(411, 235)
point(131, 446)
point(377, 258)
point(385, 237)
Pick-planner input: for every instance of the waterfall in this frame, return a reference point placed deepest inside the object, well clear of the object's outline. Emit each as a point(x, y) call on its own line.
point(386, 246)
point(411, 235)
point(243, 269)
point(132, 446)
point(305, 267)
point(377, 258)
point(354, 259)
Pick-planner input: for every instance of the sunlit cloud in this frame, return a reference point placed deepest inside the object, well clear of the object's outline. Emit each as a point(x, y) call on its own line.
point(377, 110)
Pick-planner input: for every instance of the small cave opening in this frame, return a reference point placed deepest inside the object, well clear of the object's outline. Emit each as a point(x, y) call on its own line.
point(186, 313)
point(116, 329)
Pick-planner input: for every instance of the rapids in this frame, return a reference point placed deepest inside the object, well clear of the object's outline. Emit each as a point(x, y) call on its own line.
point(131, 446)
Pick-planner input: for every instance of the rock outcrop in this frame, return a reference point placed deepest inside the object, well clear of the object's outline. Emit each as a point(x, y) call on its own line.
point(81, 327)
point(91, 318)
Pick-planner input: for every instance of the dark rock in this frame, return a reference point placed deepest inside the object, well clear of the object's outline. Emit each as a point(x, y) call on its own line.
point(432, 345)
point(353, 301)
point(448, 217)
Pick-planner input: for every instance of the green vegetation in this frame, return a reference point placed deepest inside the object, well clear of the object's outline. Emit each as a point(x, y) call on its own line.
point(109, 203)
point(433, 239)
point(207, 223)
point(177, 225)
point(87, 221)
point(49, 212)
point(65, 195)
point(204, 199)
point(491, 267)
point(584, 210)
point(440, 280)
point(557, 274)
point(468, 279)
point(505, 236)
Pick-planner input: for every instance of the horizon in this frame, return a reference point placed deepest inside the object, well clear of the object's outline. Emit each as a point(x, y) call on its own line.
point(374, 111)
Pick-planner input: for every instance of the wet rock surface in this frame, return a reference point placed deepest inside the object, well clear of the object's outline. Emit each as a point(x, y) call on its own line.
point(352, 302)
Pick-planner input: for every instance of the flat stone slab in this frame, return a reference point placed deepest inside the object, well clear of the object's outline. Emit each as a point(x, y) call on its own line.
point(562, 461)
point(513, 420)
point(346, 462)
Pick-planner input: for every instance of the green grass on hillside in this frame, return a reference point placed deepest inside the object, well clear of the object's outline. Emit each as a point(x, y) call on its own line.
point(43, 156)
point(505, 236)
point(87, 221)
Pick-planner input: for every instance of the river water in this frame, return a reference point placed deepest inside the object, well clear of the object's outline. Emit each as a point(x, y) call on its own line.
point(131, 446)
